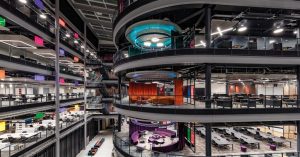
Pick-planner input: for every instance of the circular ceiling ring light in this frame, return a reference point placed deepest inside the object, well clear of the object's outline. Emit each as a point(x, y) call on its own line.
point(151, 34)
point(151, 75)
point(147, 41)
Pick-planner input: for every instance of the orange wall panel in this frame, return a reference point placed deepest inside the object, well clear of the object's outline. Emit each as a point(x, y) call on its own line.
point(178, 92)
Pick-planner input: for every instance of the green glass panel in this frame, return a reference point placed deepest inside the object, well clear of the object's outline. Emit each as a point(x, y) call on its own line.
point(2, 21)
point(188, 136)
point(39, 115)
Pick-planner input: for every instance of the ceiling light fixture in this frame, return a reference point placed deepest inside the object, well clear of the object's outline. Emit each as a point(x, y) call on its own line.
point(147, 43)
point(160, 44)
point(278, 30)
point(271, 41)
point(242, 29)
point(82, 46)
point(23, 1)
point(295, 32)
point(75, 41)
point(155, 40)
point(68, 35)
point(219, 31)
point(43, 16)
point(17, 43)
point(203, 43)
point(222, 31)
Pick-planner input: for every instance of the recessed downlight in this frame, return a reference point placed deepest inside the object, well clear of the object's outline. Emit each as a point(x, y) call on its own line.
point(23, 1)
point(278, 30)
point(147, 43)
point(242, 29)
point(154, 39)
point(43, 16)
point(160, 44)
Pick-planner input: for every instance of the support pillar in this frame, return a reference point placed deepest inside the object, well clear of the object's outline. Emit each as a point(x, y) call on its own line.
point(57, 104)
point(207, 139)
point(298, 136)
point(208, 86)
point(120, 88)
point(119, 122)
point(298, 84)
point(227, 87)
point(208, 27)
point(85, 91)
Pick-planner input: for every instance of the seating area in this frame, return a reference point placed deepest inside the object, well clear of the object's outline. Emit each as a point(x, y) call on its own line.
point(160, 140)
point(148, 135)
point(97, 145)
point(155, 100)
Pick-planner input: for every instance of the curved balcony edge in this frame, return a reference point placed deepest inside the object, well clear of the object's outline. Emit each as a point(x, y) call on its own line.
point(210, 115)
point(201, 56)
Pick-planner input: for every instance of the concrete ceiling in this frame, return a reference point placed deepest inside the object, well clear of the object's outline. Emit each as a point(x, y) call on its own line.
point(99, 14)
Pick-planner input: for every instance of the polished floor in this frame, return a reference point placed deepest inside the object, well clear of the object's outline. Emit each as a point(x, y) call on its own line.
point(106, 150)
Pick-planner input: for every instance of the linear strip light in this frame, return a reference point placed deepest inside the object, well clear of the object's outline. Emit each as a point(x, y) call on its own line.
point(46, 55)
point(221, 31)
point(17, 41)
point(202, 43)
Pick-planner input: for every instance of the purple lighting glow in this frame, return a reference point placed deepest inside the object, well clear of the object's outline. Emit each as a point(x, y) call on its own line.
point(39, 4)
point(39, 77)
point(61, 52)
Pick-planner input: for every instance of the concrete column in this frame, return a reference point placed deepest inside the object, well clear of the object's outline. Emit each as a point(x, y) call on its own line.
point(85, 91)
point(57, 104)
point(208, 27)
point(208, 139)
point(119, 122)
point(298, 136)
point(298, 84)
point(227, 87)
point(208, 86)
point(120, 88)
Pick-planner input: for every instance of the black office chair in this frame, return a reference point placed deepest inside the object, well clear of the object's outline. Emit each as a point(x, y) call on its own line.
point(24, 98)
point(49, 97)
point(35, 98)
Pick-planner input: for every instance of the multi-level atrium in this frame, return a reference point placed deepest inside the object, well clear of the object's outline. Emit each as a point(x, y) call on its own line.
point(141, 78)
point(208, 78)
point(57, 86)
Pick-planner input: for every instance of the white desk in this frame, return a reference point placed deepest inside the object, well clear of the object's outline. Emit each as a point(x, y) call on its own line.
point(264, 135)
point(220, 141)
point(18, 135)
point(245, 138)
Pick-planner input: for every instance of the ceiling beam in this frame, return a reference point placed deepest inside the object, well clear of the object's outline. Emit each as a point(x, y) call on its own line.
point(191, 16)
point(101, 31)
point(104, 38)
point(98, 22)
point(94, 8)
point(106, 42)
